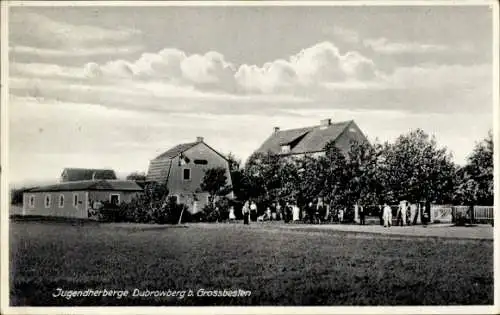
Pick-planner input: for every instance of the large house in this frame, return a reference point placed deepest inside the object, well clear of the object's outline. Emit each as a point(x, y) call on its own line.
point(77, 199)
point(312, 140)
point(182, 168)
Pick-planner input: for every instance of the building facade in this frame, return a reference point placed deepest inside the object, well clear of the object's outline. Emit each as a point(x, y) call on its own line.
point(77, 199)
point(182, 169)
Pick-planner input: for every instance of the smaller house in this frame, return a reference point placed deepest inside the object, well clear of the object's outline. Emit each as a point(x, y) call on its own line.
point(79, 174)
point(77, 199)
point(182, 169)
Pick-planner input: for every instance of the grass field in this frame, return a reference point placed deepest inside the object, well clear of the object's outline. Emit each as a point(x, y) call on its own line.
point(279, 267)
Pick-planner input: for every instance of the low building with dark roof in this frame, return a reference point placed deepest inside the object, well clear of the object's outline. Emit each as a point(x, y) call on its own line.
point(312, 140)
point(78, 174)
point(77, 199)
point(182, 169)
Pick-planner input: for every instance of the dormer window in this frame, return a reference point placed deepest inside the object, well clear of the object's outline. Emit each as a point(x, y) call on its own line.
point(285, 148)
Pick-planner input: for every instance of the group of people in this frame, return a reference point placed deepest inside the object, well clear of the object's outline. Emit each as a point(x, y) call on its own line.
point(315, 212)
point(404, 214)
point(318, 211)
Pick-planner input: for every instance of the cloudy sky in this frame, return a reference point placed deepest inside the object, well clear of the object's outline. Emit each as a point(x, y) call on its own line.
point(116, 86)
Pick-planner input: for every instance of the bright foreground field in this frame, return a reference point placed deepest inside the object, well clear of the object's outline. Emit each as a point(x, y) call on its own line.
point(279, 266)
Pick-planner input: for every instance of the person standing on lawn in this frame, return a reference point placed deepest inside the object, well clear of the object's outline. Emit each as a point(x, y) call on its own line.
point(399, 215)
point(296, 212)
point(321, 210)
point(232, 217)
point(246, 212)
point(310, 212)
point(286, 212)
point(361, 215)
point(341, 215)
point(253, 211)
point(279, 211)
point(387, 215)
point(408, 213)
point(403, 213)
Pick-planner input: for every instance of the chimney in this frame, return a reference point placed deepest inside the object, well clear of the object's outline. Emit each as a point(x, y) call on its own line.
point(325, 122)
point(276, 129)
point(199, 139)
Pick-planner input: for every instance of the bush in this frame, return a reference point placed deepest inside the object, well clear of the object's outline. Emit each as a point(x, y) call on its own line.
point(169, 212)
point(215, 213)
point(137, 211)
point(110, 212)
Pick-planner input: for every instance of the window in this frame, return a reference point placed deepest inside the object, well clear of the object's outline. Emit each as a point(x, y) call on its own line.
point(48, 200)
point(114, 199)
point(285, 149)
point(75, 200)
point(32, 201)
point(186, 174)
point(201, 162)
point(61, 201)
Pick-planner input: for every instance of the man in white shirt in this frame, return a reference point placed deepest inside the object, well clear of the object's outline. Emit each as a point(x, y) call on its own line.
point(387, 215)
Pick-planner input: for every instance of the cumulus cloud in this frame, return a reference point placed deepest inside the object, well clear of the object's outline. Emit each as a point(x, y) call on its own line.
point(209, 71)
point(316, 65)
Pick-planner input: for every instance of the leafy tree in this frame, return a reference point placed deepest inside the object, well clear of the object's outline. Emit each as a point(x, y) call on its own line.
point(311, 176)
point(362, 183)
point(217, 212)
point(417, 170)
point(263, 176)
point(16, 195)
point(215, 183)
point(335, 179)
point(137, 176)
point(238, 178)
point(475, 179)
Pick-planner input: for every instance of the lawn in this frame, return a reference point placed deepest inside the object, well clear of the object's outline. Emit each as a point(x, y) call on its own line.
point(279, 267)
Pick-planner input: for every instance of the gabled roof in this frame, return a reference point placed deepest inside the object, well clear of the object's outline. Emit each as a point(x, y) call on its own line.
point(175, 151)
point(79, 174)
point(108, 185)
point(183, 147)
point(304, 140)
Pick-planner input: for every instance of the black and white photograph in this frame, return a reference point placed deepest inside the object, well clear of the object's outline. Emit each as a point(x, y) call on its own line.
point(249, 154)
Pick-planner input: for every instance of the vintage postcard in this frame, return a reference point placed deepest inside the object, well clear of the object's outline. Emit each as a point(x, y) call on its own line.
point(249, 157)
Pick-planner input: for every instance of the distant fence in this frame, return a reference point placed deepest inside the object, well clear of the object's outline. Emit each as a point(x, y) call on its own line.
point(483, 213)
point(442, 213)
point(480, 213)
point(446, 213)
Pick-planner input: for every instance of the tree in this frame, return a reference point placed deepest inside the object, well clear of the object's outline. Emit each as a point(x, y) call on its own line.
point(238, 178)
point(150, 206)
point(417, 170)
point(362, 183)
point(335, 177)
point(475, 179)
point(16, 195)
point(137, 176)
point(215, 183)
point(263, 180)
